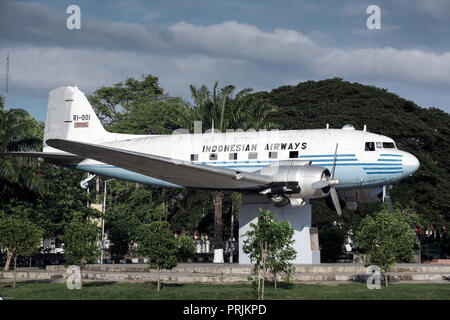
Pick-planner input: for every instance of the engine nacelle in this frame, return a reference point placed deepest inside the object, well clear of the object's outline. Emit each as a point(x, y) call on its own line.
point(295, 180)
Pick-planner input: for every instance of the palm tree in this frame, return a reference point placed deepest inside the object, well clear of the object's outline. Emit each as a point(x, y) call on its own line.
point(241, 111)
point(17, 133)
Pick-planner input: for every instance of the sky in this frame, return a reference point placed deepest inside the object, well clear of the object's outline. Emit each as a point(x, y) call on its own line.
point(255, 43)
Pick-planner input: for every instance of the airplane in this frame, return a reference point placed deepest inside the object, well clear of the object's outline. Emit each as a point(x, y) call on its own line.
point(343, 166)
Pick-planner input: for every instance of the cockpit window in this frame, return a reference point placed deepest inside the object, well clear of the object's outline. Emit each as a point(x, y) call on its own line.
point(388, 145)
point(370, 146)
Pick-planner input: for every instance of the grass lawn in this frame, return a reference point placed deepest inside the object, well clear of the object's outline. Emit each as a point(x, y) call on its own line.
point(139, 291)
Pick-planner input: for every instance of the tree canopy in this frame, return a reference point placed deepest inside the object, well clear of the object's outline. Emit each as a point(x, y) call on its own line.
point(81, 240)
point(159, 246)
point(20, 236)
point(110, 103)
point(269, 246)
point(386, 239)
point(19, 132)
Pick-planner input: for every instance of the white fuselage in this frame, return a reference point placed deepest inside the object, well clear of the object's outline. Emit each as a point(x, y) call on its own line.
point(355, 168)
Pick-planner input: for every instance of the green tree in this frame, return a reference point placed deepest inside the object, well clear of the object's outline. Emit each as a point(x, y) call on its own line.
point(18, 133)
point(157, 243)
point(331, 242)
point(81, 241)
point(386, 239)
point(150, 115)
point(269, 246)
point(186, 247)
point(110, 103)
point(20, 236)
point(280, 251)
point(23, 210)
point(18, 176)
point(121, 231)
point(193, 211)
point(129, 208)
point(53, 210)
point(143, 208)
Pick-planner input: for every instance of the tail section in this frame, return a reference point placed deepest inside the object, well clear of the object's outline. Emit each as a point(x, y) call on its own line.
point(70, 116)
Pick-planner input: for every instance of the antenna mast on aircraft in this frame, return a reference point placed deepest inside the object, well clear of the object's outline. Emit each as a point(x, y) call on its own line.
point(7, 80)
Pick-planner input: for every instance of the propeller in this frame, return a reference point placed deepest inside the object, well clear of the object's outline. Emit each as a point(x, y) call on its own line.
point(330, 182)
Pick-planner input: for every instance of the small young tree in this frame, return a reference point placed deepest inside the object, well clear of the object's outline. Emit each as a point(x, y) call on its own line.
point(120, 245)
point(386, 239)
point(121, 230)
point(80, 240)
point(269, 245)
point(281, 252)
point(20, 236)
point(157, 243)
point(186, 247)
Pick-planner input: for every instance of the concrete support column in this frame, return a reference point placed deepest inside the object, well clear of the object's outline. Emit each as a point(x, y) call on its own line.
point(306, 238)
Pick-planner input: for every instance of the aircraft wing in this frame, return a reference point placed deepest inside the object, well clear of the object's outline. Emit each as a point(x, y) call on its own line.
point(182, 173)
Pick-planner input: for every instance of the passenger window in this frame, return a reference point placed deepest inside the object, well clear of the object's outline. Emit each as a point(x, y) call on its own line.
point(370, 146)
point(293, 154)
point(194, 157)
point(379, 145)
point(253, 155)
point(213, 156)
point(273, 154)
point(388, 145)
point(233, 156)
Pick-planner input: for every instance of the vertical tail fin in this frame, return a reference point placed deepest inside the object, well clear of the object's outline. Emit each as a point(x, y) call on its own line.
point(70, 116)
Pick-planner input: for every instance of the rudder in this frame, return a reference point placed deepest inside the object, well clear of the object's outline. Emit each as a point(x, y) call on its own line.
point(70, 116)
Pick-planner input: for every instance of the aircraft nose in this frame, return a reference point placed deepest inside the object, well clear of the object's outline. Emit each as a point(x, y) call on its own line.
point(410, 164)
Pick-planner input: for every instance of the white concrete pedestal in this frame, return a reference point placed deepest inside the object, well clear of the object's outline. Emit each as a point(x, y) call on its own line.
point(218, 256)
point(306, 238)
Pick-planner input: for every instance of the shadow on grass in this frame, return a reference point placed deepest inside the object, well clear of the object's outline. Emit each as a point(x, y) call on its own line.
point(98, 284)
point(25, 282)
point(280, 285)
point(169, 285)
point(283, 285)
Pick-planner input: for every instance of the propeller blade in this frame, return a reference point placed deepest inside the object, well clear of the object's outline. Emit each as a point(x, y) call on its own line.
point(335, 199)
point(320, 184)
point(334, 161)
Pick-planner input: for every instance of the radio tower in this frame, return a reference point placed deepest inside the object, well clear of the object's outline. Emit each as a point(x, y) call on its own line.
point(7, 78)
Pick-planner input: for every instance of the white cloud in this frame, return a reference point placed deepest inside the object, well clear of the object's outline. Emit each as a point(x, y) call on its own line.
point(408, 66)
point(42, 69)
point(102, 53)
